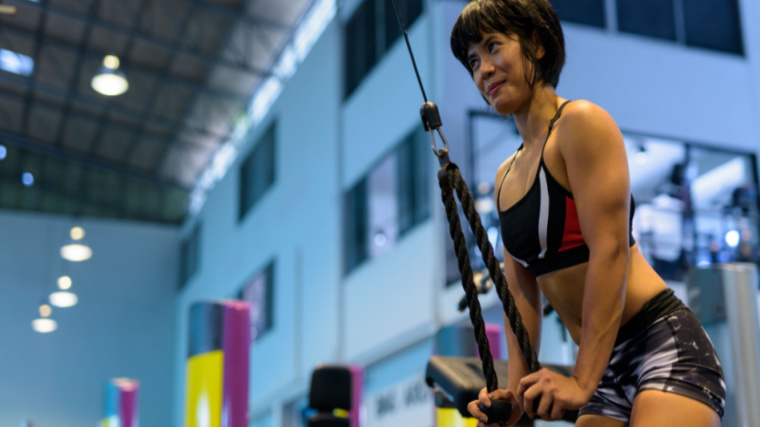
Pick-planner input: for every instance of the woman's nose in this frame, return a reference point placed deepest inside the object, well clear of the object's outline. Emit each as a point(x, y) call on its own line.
point(486, 68)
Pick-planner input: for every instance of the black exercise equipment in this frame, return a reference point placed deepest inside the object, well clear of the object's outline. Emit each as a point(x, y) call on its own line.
point(331, 389)
point(458, 380)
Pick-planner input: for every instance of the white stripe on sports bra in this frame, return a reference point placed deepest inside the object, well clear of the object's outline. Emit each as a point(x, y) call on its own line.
point(543, 215)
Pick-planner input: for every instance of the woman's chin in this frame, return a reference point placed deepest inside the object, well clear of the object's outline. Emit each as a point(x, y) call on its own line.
point(503, 108)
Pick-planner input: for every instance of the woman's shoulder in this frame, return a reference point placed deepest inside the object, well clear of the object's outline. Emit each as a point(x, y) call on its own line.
point(582, 110)
point(583, 122)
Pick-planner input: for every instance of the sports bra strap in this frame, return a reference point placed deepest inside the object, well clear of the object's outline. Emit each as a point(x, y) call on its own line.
point(551, 125)
point(556, 116)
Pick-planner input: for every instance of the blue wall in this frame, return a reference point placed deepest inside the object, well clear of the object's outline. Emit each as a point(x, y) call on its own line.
point(122, 326)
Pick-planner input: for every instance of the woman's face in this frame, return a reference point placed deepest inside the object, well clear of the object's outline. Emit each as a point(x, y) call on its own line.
point(498, 72)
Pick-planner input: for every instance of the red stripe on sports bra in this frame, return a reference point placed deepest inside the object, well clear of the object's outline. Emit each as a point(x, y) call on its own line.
point(571, 234)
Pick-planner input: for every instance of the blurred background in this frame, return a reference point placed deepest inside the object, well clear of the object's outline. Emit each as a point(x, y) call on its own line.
point(156, 153)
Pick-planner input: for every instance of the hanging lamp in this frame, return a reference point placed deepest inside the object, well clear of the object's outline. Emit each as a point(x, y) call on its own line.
point(76, 250)
point(110, 80)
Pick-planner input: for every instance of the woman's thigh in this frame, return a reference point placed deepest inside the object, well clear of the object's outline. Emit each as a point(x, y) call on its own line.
point(653, 408)
point(598, 421)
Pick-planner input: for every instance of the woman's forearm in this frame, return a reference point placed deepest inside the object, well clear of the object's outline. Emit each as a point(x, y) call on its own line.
point(518, 366)
point(603, 301)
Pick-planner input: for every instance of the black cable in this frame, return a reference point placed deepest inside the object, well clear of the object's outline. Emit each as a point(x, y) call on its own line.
point(409, 46)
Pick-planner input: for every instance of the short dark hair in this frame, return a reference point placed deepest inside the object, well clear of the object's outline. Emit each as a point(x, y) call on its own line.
point(514, 18)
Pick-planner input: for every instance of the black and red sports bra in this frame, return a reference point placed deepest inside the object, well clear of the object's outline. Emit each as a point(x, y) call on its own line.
point(541, 231)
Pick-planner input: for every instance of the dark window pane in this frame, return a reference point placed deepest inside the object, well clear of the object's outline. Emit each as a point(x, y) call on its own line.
point(713, 24)
point(257, 171)
point(410, 11)
point(654, 18)
point(259, 293)
point(413, 176)
point(355, 228)
point(190, 256)
point(360, 53)
point(587, 12)
point(382, 206)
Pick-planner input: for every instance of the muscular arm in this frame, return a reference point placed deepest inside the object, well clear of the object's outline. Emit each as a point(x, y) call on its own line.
point(597, 170)
point(528, 301)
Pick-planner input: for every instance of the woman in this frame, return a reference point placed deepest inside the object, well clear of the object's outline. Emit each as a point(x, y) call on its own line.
point(565, 208)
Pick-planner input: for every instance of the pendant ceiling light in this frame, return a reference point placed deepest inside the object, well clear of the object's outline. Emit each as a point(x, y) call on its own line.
point(76, 250)
point(110, 80)
point(44, 324)
point(64, 297)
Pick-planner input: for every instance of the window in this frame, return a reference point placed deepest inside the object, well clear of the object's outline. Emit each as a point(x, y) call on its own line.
point(713, 24)
point(259, 293)
point(190, 256)
point(369, 34)
point(360, 52)
point(388, 202)
point(355, 228)
point(413, 182)
point(587, 12)
point(654, 18)
point(694, 205)
point(409, 10)
point(257, 172)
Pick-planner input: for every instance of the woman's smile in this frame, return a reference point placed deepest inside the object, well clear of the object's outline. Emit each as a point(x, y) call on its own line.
point(493, 87)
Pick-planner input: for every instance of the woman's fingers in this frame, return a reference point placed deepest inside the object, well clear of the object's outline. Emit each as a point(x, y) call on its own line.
point(484, 398)
point(557, 413)
point(472, 407)
point(545, 402)
point(525, 383)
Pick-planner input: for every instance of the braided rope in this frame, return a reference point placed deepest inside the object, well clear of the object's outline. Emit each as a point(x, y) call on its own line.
point(471, 293)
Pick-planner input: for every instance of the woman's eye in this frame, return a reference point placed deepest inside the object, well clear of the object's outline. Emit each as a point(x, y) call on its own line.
point(491, 46)
point(473, 63)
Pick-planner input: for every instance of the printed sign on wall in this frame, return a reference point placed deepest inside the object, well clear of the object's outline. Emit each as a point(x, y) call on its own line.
point(408, 403)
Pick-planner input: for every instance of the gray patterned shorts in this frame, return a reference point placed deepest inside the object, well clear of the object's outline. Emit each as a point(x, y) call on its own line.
point(673, 354)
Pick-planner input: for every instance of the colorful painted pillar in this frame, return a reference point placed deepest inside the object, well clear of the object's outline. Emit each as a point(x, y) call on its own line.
point(217, 364)
point(121, 403)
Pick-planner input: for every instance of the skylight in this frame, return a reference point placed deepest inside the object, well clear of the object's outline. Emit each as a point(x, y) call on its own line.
point(16, 63)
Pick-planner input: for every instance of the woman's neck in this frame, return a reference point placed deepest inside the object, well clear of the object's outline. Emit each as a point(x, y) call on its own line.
point(532, 120)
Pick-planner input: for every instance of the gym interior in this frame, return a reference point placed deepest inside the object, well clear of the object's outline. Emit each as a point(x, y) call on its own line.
point(274, 164)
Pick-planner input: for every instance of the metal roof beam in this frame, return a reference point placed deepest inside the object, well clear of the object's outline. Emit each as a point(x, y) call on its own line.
point(29, 144)
point(235, 14)
point(87, 116)
point(147, 38)
point(153, 97)
point(79, 200)
point(206, 77)
point(96, 102)
point(128, 66)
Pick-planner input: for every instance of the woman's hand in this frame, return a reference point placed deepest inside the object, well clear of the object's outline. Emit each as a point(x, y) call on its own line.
point(557, 393)
point(485, 398)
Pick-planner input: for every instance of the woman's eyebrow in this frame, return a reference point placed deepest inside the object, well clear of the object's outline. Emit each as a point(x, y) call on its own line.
point(483, 42)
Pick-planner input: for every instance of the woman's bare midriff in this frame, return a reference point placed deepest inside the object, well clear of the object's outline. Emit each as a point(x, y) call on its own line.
point(564, 290)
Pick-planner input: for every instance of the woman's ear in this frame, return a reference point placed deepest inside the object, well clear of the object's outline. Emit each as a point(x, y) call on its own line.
point(538, 45)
